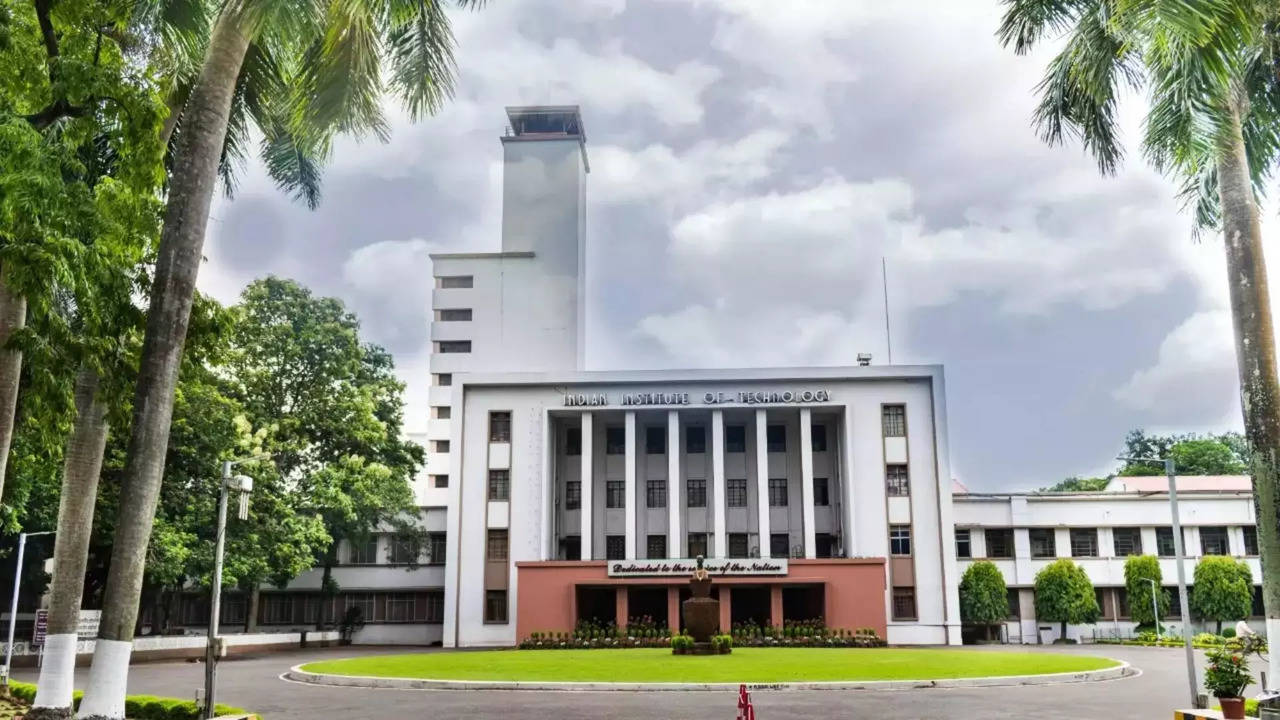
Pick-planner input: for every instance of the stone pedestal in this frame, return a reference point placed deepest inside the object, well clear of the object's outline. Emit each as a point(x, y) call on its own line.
point(701, 617)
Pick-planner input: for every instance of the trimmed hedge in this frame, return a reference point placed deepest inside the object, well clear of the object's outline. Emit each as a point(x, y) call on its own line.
point(138, 707)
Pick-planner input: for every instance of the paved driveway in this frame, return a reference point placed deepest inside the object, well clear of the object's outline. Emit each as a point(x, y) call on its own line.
point(254, 683)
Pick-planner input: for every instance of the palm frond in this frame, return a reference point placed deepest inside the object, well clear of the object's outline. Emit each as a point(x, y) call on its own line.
point(420, 55)
point(1078, 95)
point(1025, 22)
point(339, 84)
point(295, 167)
point(1199, 193)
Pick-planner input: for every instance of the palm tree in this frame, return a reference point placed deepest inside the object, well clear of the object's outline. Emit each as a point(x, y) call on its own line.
point(1211, 72)
point(332, 55)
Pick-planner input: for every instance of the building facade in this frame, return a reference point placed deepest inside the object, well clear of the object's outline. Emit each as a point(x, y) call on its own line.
point(1023, 532)
point(553, 495)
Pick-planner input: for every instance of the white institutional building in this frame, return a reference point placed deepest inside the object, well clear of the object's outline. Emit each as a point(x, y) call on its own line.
point(555, 494)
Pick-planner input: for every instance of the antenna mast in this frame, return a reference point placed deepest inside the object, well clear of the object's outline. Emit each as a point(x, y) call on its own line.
point(884, 281)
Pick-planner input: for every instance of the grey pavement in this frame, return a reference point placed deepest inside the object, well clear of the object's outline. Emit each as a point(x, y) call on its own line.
point(254, 683)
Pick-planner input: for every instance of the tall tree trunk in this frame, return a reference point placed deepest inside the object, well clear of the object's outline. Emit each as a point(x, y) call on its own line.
point(1256, 363)
point(82, 466)
point(177, 265)
point(13, 317)
point(326, 584)
point(251, 608)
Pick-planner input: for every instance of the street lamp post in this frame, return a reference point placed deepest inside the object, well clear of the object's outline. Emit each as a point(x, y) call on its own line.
point(1155, 607)
point(227, 483)
point(1171, 472)
point(13, 602)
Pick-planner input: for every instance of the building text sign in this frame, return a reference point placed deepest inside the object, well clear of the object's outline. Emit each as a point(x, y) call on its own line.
point(718, 567)
point(742, 397)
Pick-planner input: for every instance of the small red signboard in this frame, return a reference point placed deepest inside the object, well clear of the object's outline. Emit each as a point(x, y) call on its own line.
point(41, 627)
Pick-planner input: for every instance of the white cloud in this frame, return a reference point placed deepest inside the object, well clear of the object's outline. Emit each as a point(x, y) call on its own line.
point(1193, 382)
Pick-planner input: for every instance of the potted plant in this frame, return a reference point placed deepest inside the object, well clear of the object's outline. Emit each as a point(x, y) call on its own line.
point(1226, 677)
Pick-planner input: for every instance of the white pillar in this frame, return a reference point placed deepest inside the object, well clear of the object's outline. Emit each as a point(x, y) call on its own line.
point(720, 541)
point(849, 536)
point(806, 482)
point(629, 505)
point(762, 481)
point(675, 544)
point(587, 512)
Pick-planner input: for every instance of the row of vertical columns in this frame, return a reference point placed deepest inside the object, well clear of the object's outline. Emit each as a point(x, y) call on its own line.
point(586, 531)
point(629, 505)
point(762, 482)
point(806, 482)
point(720, 542)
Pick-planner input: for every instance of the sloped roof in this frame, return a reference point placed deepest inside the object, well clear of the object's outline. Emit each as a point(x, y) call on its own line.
point(1186, 483)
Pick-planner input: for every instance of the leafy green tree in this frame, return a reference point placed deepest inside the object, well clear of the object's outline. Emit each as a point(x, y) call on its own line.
point(1205, 457)
point(332, 409)
point(984, 599)
point(1209, 75)
point(1139, 571)
point(334, 58)
point(1078, 484)
point(1223, 590)
point(1192, 454)
point(1065, 595)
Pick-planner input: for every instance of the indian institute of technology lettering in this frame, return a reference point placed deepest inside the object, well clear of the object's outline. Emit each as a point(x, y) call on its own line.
point(745, 397)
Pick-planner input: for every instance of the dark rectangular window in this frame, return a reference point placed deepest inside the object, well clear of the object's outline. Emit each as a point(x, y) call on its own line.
point(656, 493)
point(496, 544)
point(1084, 542)
point(440, 481)
point(657, 547)
point(444, 379)
point(999, 542)
point(776, 438)
point(735, 438)
point(499, 484)
point(364, 601)
point(500, 426)
point(571, 547)
point(1165, 547)
point(655, 440)
point(453, 282)
point(364, 552)
point(779, 545)
point(455, 315)
point(573, 495)
point(453, 346)
point(697, 544)
point(777, 492)
point(735, 492)
point(1213, 541)
point(900, 540)
point(615, 441)
point(904, 603)
point(436, 543)
point(441, 412)
point(440, 446)
point(1044, 543)
point(737, 545)
point(696, 492)
point(615, 547)
point(1015, 606)
point(1258, 610)
point(615, 494)
point(964, 545)
point(894, 421)
point(1250, 539)
point(401, 607)
point(1122, 602)
point(818, 438)
point(403, 551)
point(1127, 541)
point(573, 441)
point(895, 480)
point(695, 440)
point(435, 607)
point(495, 606)
point(824, 545)
point(821, 493)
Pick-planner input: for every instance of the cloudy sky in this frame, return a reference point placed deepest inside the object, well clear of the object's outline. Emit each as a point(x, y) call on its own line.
point(752, 162)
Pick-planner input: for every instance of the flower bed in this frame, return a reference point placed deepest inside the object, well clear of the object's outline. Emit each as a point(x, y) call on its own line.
point(645, 633)
point(136, 707)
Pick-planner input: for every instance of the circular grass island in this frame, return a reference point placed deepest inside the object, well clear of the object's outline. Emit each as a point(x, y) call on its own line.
point(745, 665)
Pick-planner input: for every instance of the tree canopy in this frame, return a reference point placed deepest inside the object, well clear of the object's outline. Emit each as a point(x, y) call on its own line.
point(1139, 570)
point(1223, 590)
point(984, 599)
point(1222, 454)
point(1065, 595)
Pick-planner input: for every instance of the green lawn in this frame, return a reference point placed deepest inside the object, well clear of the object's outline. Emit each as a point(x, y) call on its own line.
point(750, 665)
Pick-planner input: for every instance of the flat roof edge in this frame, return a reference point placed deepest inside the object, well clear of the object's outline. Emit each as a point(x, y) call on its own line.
point(606, 377)
point(481, 255)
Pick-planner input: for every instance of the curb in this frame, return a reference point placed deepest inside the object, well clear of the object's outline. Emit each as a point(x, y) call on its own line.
point(297, 674)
